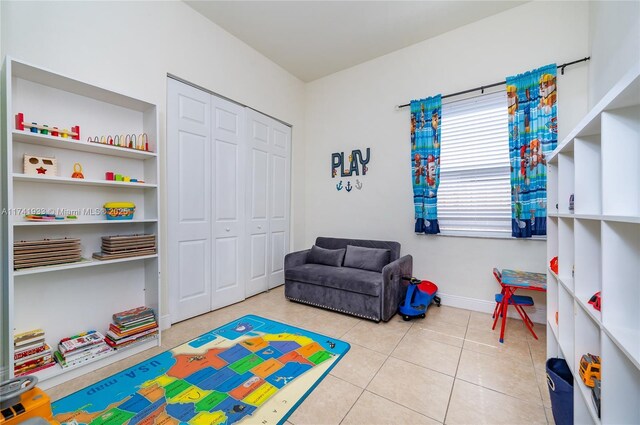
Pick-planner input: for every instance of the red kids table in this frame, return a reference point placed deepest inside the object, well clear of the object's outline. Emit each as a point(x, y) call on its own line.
point(513, 280)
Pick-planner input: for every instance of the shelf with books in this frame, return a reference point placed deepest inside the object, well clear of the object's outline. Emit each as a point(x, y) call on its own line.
point(53, 375)
point(80, 264)
point(51, 99)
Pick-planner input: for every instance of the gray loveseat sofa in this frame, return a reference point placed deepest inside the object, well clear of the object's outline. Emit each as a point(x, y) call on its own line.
point(362, 282)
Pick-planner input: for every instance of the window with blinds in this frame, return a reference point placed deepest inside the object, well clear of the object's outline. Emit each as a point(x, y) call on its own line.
point(474, 196)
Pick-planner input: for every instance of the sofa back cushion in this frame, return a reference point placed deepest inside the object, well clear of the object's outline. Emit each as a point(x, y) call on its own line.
point(328, 257)
point(336, 243)
point(359, 257)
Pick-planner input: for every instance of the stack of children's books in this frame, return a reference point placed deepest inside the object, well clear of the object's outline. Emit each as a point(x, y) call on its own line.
point(81, 348)
point(132, 326)
point(31, 353)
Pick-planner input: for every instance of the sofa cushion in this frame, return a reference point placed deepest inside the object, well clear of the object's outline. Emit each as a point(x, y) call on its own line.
point(328, 257)
point(373, 259)
point(345, 278)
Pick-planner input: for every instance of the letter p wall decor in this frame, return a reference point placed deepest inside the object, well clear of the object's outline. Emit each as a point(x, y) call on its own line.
point(355, 164)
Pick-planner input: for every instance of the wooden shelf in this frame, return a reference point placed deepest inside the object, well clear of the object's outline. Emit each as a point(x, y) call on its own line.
point(78, 265)
point(78, 145)
point(17, 177)
point(81, 222)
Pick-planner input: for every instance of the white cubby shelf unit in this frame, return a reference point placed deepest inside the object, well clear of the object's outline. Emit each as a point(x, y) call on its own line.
point(598, 249)
point(67, 299)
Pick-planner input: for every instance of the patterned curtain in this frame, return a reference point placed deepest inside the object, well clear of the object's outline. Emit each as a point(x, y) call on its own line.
point(425, 160)
point(533, 131)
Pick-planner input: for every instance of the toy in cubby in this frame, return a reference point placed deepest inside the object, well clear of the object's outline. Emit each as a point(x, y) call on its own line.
point(110, 175)
point(130, 141)
point(44, 129)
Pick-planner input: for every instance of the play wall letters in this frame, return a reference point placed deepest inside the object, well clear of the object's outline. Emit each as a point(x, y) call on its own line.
point(353, 164)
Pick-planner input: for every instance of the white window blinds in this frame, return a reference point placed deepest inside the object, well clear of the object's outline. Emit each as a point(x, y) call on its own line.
point(474, 196)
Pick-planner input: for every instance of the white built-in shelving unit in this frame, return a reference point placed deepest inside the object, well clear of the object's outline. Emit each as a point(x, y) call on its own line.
point(598, 249)
point(70, 298)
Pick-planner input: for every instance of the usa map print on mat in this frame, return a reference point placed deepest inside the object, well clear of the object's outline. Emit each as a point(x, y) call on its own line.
point(252, 370)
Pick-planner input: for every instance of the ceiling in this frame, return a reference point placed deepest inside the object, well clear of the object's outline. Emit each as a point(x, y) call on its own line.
point(312, 39)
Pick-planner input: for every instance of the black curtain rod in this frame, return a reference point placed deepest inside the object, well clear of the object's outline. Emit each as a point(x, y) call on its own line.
point(482, 88)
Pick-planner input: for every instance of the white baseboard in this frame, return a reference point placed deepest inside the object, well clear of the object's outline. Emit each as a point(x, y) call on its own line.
point(537, 313)
point(165, 322)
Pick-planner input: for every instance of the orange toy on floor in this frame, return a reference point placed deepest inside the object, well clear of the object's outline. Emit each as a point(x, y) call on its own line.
point(21, 400)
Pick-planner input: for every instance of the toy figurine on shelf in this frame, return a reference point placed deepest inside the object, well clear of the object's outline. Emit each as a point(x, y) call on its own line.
point(590, 369)
point(595, 301)
point(553, 265)
point(40, 165)
point(77, 171)
point(110, 175)
point(129, 141)
point(44, 129)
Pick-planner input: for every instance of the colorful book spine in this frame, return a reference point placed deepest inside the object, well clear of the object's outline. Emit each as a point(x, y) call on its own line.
point(32, 363)
point(132, 314)
point(64, 363)
point(34, 370)
point(114, 330)
point(117, 340)
point(30, 351)
point(34, 356)
point(132, 342)
point(79, 341)
point(83, 353)
point(35, 334)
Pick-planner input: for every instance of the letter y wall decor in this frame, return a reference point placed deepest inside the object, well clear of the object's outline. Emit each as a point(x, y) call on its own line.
point(356, 164)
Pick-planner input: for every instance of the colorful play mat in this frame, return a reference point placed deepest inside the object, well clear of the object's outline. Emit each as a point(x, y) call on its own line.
point(251, 370)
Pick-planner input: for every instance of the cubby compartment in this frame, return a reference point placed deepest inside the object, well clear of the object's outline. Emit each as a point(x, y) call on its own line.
point(566, 325)
point(587, 341)
point(552, 303)
point(553, 345)
point(552, 186)
point(566, 251)
point(581, 415)
point(588, 263)
point(620, 386)
point(552, 238)
point(621, 284)
point(620, 159)
point(588, 175)
point(566, 181)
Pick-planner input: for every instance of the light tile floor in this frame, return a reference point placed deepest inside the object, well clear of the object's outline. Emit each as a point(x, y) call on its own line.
point(447, 368)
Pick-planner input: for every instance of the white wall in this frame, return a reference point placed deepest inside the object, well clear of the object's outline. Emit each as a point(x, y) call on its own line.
point(614, 38)
point(131, 46)
point(355, 109)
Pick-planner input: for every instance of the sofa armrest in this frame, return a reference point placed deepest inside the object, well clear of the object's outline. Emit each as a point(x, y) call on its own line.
point(393, 290)
point(295, 259)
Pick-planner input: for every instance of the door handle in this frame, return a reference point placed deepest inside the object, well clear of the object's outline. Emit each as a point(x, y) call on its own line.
point(259, 227)
point(227, 229)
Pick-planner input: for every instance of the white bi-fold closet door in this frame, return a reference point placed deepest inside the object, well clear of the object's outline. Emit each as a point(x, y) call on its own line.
point(217, 194)
point(268, 201)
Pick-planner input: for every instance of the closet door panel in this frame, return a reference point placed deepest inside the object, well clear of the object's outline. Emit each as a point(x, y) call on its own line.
point(258, 143)
point(189, 186)
point(228, 202)
point(279, 202)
